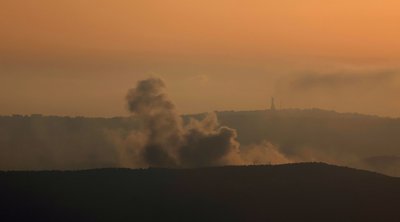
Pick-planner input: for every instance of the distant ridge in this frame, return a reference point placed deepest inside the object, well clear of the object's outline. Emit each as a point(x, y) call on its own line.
point(285, 110)
point(266, 167)
point(290, 192)
point(39, 142)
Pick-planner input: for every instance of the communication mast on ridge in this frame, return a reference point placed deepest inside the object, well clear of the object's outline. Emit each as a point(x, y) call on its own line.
point(272, 104)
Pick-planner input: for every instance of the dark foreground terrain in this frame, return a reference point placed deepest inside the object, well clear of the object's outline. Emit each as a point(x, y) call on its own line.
point(293, 192)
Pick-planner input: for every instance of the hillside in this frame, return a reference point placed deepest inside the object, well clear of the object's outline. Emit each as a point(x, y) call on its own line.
point(49, 142)
point(292, 192)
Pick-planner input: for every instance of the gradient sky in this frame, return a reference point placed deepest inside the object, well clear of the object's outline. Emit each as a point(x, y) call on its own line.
point(79, 57)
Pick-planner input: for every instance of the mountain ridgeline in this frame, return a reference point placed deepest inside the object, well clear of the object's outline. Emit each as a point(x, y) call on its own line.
point(48, 142)
point(290, 192)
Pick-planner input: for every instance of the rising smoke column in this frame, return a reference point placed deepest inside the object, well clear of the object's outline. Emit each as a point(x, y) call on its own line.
point(168, 142)
point(161, 124)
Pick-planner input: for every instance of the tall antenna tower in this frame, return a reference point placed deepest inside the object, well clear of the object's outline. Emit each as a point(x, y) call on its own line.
point(273, 104)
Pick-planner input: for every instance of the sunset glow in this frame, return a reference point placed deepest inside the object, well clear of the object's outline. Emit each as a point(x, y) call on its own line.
point(86, 53)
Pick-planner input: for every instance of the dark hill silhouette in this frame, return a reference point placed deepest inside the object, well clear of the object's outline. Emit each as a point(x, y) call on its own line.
point(292, 192)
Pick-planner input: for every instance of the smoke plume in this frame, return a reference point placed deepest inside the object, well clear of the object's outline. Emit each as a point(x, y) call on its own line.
point(170, 143)
point(263, 153)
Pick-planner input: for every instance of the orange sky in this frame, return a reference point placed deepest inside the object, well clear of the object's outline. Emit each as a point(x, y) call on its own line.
point(79, 57)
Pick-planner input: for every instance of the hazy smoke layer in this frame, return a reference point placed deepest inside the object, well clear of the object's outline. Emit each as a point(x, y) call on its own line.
point(170, 143)
point(263, 153)
point(157, 136)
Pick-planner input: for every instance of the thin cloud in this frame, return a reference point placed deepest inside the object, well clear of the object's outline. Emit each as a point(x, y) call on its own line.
point(312, 81)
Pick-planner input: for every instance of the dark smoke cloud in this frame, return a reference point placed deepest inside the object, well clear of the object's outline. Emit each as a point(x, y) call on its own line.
point(340, 80)
point(162, 126)
point(155, 136)
point(170, 143)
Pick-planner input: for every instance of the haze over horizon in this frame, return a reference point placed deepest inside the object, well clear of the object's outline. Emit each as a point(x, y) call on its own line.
point(159, 136)
point(77, 58)
point(207, 110)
